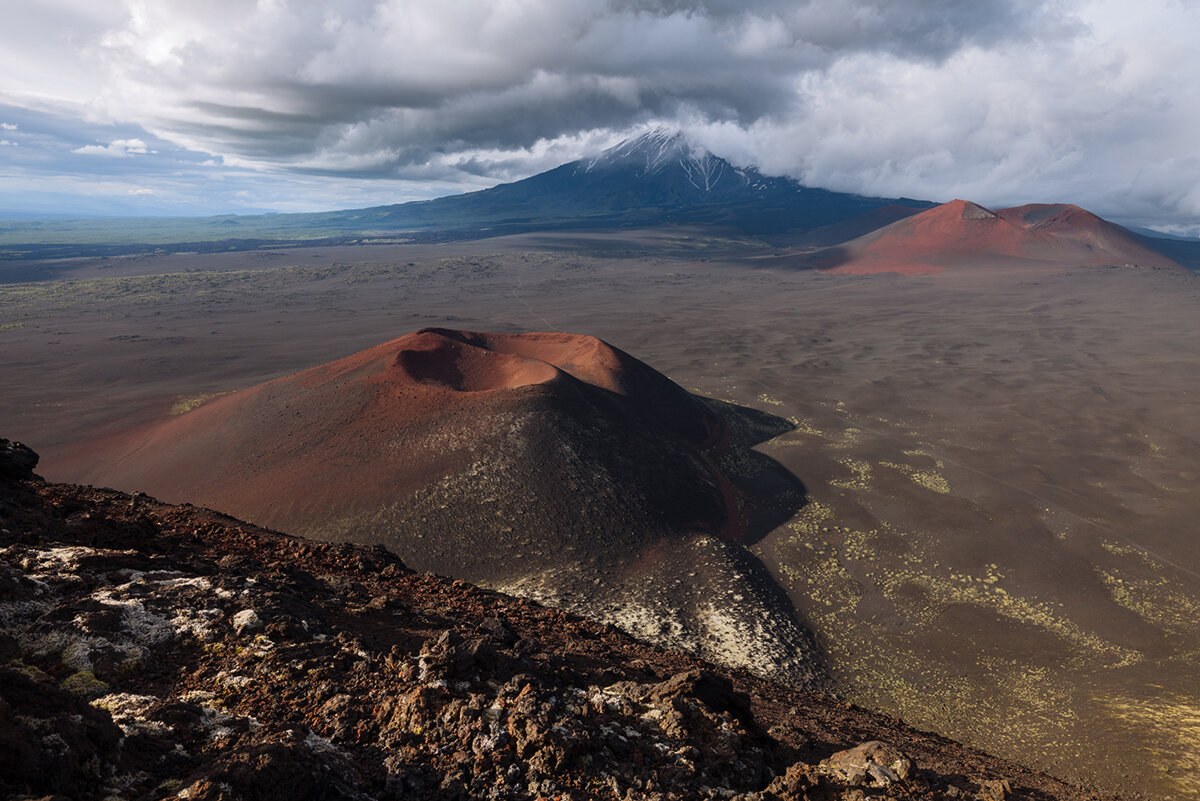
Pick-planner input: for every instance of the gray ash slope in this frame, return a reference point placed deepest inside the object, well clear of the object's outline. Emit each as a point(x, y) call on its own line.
point(150, 651)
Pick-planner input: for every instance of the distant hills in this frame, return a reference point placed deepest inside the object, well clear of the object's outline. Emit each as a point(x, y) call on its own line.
point(961, 234)
point(656, 179)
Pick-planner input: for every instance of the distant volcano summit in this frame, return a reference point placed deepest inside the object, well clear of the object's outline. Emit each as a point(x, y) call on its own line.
point(654, 179)
point(662, 177)
point(658, 178)
point(961, 234)
point(551, 465)
point(669, 157)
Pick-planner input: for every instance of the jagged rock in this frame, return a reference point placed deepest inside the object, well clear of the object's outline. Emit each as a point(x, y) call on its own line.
point(245, 622)
point(995, 790)
point(52, 741)
point(292, 769)
point(795, 782)
point(16, 461)
point(714, 691)
point(497, 630)
point(873, 764)
point(364, 680)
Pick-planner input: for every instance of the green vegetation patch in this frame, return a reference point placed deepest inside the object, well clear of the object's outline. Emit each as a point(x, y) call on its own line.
point(186, 403)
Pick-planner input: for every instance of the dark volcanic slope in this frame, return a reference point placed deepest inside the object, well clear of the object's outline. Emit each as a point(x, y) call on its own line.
point(964, 234)
point(151, 651)
point(553, 465)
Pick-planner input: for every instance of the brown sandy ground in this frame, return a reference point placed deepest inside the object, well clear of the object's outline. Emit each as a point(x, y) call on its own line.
point(155, 651)
point(999, 541)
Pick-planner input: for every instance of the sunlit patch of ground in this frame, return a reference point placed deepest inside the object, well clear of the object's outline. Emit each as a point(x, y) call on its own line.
point(186, 403)
point(1169, 727)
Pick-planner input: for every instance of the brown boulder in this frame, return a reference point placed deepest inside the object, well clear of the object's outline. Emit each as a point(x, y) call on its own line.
point(872, 764)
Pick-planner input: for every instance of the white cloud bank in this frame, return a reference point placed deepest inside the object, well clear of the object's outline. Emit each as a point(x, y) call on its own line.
point(1092, 101)
point(118, 147)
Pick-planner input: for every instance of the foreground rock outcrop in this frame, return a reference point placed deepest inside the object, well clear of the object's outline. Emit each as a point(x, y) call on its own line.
point(151, 651)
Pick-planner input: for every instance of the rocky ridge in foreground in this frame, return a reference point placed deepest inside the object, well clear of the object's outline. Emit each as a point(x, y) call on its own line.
point(151, 651)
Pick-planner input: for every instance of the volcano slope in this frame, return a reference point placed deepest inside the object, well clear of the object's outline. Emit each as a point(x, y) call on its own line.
point(551, 465)
point(961, 235)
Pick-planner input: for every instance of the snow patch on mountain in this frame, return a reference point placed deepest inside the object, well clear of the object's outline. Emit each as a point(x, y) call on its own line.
point(661, 149)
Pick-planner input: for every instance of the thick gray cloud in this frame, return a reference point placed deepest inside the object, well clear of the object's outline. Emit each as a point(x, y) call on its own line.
point(384, 84)
point(999, 100)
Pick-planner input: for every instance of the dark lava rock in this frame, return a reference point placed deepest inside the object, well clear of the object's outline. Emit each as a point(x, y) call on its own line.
point(16, 461)
point(151, 651)
point(716, 692)
point(52, 741)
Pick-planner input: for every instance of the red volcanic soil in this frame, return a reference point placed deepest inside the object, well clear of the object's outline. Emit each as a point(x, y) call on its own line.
point(552, 464)
point(1072, 222)
point(447, 431)
point(961, 234)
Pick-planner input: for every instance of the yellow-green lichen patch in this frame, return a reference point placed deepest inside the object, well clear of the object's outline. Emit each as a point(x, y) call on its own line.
point(1156, 599)
point(812, 566)
point(904, 568)
point(84, 683)
point(850, 437)
point(929, 479)
point(859, 545)
point(879, 599)
point(1155, 448)
point(1027, 708)
point(804, 425)
point(1124, 550)
point(186, 403)
point(947, 587)
point(859, 478)
point(1035, 710)
point(810, 521)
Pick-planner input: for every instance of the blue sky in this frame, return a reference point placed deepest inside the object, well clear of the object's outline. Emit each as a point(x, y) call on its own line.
point(232, 106)
point(54, 163)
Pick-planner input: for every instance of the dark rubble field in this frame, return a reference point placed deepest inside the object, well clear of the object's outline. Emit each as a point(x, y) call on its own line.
point(158, 651)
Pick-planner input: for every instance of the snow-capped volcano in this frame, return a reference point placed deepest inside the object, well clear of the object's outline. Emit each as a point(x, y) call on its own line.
point(663, 154)
point(661, 150)
point(657, 178)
